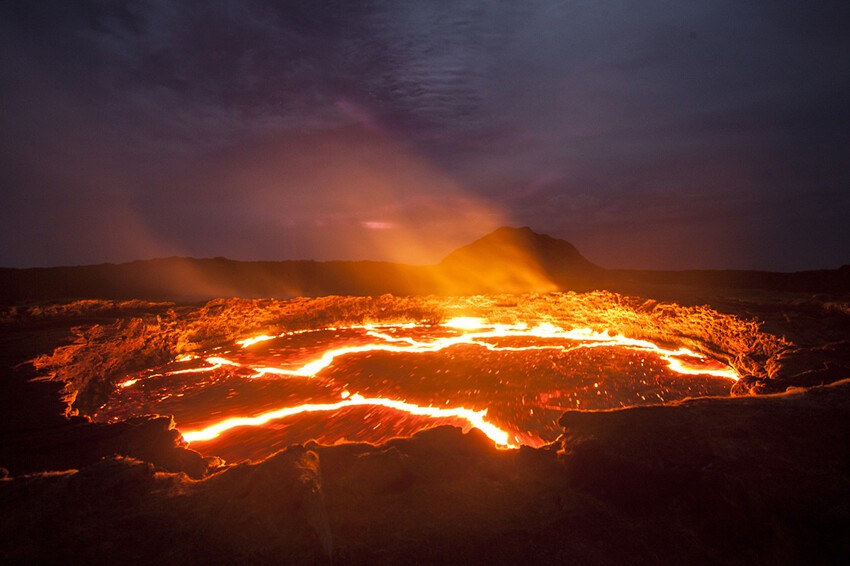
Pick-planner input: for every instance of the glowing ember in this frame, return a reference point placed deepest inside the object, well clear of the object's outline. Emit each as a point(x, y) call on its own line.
point(465, 323)
point(251, 341)
point(373, 382)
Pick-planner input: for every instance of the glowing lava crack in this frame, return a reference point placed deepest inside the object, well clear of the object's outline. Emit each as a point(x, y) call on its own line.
point(526, 374)
point(475, 418)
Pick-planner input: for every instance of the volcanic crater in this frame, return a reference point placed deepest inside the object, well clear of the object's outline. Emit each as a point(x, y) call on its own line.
point(393, 375)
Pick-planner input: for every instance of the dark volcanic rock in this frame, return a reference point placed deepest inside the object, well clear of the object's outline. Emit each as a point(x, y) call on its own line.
point(77, 443)
point(750, 480)
point(815, 365)
point(120, 510)
point(758, 480)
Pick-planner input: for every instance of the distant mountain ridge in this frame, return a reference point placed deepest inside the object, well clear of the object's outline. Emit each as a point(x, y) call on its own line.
point(508, 260)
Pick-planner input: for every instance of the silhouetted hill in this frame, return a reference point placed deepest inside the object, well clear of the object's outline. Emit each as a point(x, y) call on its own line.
point(512, 260)
point(507, 244)
point(516, 259)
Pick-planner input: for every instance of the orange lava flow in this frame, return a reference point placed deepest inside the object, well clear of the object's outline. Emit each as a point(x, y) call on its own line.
point(474, 418)
point(469, 331)
point(477, 331)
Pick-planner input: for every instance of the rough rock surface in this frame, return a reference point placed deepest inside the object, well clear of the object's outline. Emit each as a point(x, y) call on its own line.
point(121, 511)
point(758, 479)
point(78, 443)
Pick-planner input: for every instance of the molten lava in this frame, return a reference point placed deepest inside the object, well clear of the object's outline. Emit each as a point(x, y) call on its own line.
point(371, 383)
point(475, 418)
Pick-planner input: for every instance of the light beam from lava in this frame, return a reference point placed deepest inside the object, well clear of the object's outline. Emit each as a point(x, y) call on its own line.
point(472, 331)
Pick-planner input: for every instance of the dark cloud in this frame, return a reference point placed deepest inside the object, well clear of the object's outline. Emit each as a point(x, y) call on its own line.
point(656, 134)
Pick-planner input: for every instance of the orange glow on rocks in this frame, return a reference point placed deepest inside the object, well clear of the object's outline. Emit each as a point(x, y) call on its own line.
point(511, 381)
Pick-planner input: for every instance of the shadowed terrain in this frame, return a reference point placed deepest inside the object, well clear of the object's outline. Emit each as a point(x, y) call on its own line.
point(511, 260)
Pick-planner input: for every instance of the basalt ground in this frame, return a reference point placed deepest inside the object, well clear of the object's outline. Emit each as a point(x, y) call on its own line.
point(760, 476)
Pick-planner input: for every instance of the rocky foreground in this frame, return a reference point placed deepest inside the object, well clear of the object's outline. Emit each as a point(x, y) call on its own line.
point(750, 480)
point(757, 478)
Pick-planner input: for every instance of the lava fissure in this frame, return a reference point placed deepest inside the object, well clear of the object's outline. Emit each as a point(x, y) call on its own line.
point(505, 427)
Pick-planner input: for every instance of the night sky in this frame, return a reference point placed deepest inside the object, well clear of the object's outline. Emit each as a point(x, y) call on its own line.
point(680, 134)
